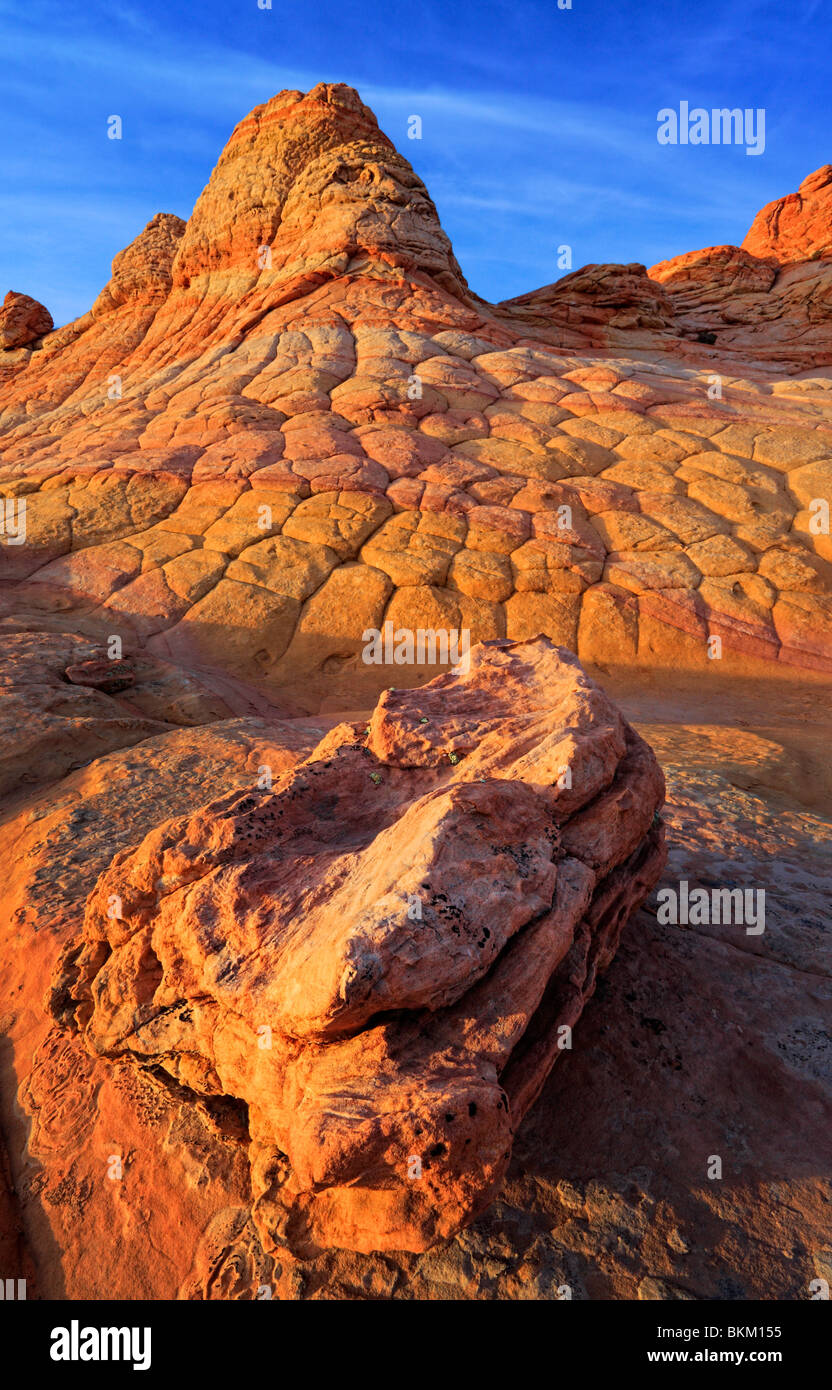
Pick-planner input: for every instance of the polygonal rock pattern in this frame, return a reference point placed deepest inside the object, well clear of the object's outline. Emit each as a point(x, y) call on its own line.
point(290, 419)
point(383, 954)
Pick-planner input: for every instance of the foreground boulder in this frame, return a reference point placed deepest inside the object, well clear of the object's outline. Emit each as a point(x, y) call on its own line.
point(383, 954)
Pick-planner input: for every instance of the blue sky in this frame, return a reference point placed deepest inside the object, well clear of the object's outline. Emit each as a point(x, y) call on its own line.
point(539, 124)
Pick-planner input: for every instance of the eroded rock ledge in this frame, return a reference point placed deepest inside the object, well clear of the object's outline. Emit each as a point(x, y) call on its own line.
point(379, 954)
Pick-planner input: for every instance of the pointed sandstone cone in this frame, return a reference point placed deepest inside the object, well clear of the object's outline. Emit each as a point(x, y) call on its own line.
point(142, 271)
point(309, 188)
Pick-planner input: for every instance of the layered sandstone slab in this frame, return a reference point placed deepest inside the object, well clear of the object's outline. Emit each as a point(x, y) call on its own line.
point(383, 954)
point(607, 1186)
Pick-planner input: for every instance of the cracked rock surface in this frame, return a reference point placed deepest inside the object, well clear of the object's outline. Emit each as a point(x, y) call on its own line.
point(290, 419)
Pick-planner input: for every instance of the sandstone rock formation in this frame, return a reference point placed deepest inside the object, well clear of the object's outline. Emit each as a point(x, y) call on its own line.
point(376, 956)
point(797, 227)
point(598, 305)
point(695, 1036)
point(771, 298)
point(291, 420)
point(281, 424)
point(309, 188)
point(22, 320)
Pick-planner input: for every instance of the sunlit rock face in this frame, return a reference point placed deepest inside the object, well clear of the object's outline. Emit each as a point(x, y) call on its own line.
point(22, 321)
point(289, 419)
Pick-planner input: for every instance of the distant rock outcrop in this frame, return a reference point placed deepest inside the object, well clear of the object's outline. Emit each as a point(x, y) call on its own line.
point(142, 271)
point(22, 320)
point(797, 227)
point(305, 1021)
